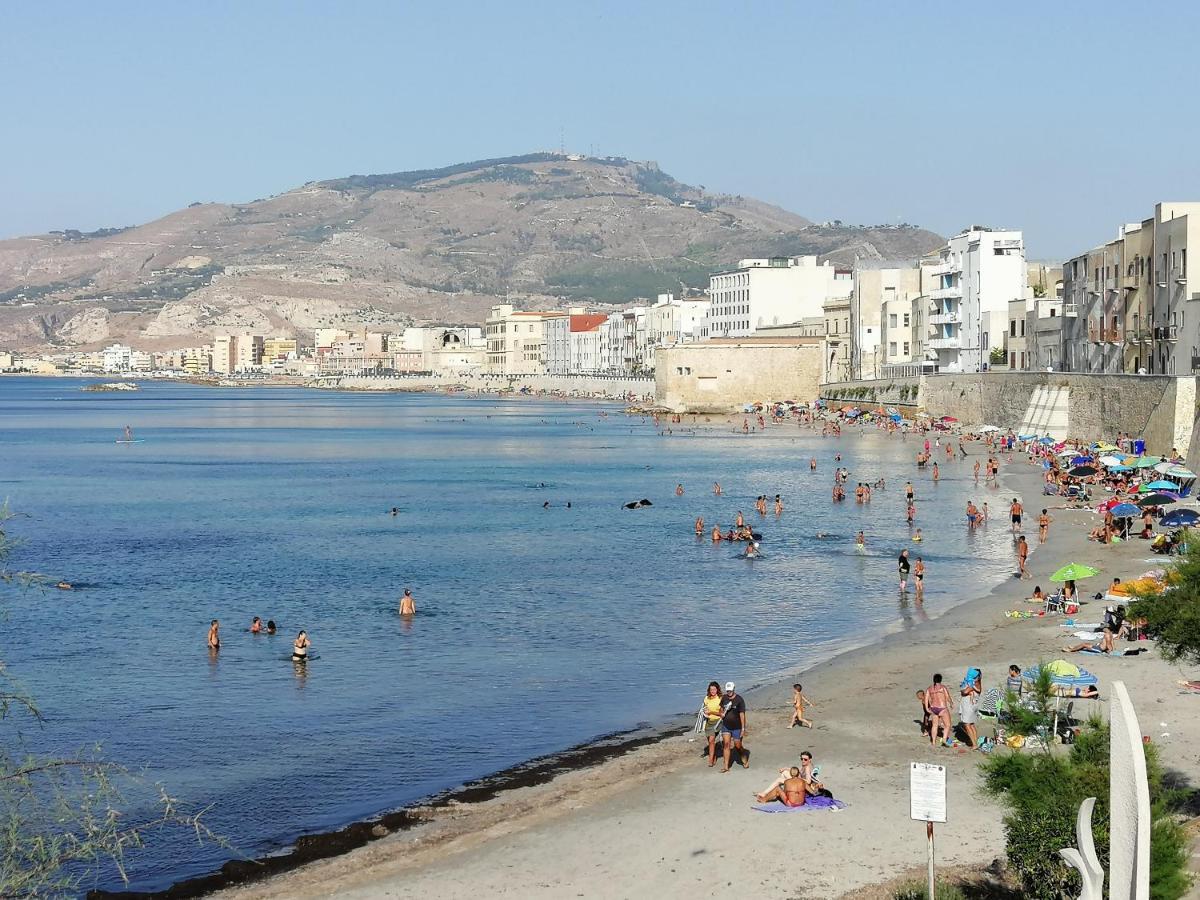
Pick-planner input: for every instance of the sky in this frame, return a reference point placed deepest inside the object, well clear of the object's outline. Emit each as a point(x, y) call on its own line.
point(1061, 119)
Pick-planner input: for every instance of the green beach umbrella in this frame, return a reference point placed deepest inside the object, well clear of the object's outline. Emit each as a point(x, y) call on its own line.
point(1073, 572)
point(1145, 462)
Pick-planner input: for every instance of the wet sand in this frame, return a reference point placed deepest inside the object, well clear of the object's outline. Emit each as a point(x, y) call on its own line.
point(657, 821)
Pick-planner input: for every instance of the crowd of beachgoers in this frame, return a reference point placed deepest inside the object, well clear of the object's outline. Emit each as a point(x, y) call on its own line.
point(1135, 496)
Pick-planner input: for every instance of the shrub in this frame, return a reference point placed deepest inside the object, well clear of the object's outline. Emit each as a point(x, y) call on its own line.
point(1043, 791)
point(918, 890)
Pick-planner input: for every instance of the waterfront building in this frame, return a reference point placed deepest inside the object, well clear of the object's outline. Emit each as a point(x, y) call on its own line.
point(118, 358)
point(974, 277)
point(1125, 302)
point(573, 342)
point(883, 295)
point(6, 360)
point(278, 349)
point(1043, 334)
point(837, 346)
point(774, 291)
point(237, 353)
point(725, 373)
point(516, 340)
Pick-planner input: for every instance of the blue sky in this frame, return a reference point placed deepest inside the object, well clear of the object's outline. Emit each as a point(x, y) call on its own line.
point(1062, 119)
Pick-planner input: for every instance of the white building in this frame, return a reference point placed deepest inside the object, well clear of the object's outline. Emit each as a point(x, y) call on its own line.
point(118, 358)
point(516, 340)
point(973, 278)
point(765, 292)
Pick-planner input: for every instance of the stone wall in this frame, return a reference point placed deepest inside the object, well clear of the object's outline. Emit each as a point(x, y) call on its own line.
point(1160, 408)
point(598, 387)
point(717, 376)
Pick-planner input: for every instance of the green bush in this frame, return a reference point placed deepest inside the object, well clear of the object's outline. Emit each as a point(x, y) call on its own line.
point(918, 890)
point(1043, 791)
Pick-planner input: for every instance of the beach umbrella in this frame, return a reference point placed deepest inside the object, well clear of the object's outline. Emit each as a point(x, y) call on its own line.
point(1163, 466)
point(1179, 472)
point(1082, 471)
point(1119, 469)
point(1160, 485)
point(1180, 518)
point(1122, 510)
point(948, 419)
point(1158, 498)
point(1111, 461)
point(1046, 440)
point(1146, 462)
point(986, 429)
point(1081, 461)
point(1073, 572)
point(1105, 448)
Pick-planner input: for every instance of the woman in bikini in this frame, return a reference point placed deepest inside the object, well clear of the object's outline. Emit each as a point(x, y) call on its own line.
point(937, 703)
point(300, 647)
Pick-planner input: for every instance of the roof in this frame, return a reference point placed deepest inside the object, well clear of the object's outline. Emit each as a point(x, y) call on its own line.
point(587, 321)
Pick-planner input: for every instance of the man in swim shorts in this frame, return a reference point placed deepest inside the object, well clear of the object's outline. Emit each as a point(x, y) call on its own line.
point(1015, 511)
point(733, 726)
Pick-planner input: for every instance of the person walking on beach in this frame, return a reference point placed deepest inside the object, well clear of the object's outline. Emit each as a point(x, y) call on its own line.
point(1015, 512)
point(733, 727)
point(1044, 521)
point(799, 701)
point(903, 567)
point(1022, 556)
point(711, 709)
point(408, 606)
point(937, 704)
point(214, 635)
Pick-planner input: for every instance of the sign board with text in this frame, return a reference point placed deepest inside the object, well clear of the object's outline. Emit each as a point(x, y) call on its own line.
point(927, 792)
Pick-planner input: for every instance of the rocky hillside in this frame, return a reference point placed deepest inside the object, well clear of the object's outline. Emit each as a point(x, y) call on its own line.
point(436, 245)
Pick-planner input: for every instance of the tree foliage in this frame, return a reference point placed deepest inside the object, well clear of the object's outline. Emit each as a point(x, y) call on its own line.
point(62, 816)
point(1172, 613)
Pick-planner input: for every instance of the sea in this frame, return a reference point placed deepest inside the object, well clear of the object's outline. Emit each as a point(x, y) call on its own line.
point(538, 627)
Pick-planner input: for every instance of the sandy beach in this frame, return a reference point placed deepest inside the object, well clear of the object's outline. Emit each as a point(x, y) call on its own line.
point(659, 822)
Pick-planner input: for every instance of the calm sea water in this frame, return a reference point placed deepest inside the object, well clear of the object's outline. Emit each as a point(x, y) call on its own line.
point(537, 628)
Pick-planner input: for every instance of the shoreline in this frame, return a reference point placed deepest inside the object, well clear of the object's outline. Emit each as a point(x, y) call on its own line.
point(551, 774)
point(635, 823)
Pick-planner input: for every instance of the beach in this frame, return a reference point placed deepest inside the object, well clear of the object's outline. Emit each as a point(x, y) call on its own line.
point(658, 822)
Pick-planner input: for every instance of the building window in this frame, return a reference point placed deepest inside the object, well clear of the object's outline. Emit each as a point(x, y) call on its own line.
point(906, 321)
point(906, 350)
point(892, 321)
point(892, 348)
point(1012, 327)
point(1022, 333)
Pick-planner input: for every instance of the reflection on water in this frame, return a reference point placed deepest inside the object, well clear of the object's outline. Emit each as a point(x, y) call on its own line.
point(277, 503)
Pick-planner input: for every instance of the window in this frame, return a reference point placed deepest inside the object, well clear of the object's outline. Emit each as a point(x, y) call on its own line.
point(1012, 360)
point(892, 321)
point(906, 348)
point(1022, 333)
point(892, 348)
point(906, 319)
point(1012, 327)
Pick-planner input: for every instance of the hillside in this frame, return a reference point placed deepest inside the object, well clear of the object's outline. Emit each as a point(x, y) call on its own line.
point(434, 245)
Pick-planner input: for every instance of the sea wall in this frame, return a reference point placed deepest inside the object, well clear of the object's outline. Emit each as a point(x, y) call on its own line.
point(598, 387)
point(718, 376)
point(1160, 408)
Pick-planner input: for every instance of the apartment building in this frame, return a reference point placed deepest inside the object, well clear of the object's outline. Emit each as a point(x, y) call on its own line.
point(576, 332)
point(972, 281)
point(516, 341)
point(1125, 303)
point(903, 327)
point(766, 292)
point(883, 296)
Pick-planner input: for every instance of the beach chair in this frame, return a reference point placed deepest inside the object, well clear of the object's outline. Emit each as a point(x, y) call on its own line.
point(1055, 602)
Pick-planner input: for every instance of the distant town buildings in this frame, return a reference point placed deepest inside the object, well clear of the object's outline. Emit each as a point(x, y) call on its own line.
point(761, 293)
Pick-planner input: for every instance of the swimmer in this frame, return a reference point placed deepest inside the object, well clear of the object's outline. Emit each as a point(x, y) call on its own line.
point(546, 505)
point(408, 606)
point(395, 510)
point(270, 626)
point(717, 488)
point(256, 625)
point(752, 550)
point(812, 464)
point(716, 534)
point(65, 586)
point(699, 526)
point(778, 505)
point(300, 647)
point(741, 520)
point(679, 490)
point(860, 541)
point(214, 635)
point(917, 537)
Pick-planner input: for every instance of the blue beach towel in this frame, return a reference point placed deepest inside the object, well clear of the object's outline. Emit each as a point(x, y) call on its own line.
point(812, 803)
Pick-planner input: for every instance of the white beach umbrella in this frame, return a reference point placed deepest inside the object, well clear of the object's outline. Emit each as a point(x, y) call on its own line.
point(1110, 460)
point(984, 429)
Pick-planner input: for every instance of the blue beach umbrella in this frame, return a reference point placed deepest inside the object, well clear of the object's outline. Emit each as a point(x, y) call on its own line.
point(1120, 469)
point(1081, 460)
point(1121, 510)
point(1177, 518)
point(1160, 485)
point(1047, 440)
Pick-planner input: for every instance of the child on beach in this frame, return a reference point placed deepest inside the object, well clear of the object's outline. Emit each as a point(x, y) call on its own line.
point(798, 703)
point(926, 718)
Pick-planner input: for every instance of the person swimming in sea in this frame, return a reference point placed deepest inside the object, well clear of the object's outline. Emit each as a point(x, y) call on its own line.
point(699, 526)
point(65, 586)
point(917, 537)
point(860, 541)
point(270, 626)
point(752, 550)
point(300, 647)
point(256, 625)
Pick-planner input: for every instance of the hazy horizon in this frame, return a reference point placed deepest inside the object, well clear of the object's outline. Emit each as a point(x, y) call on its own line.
point(863, 112)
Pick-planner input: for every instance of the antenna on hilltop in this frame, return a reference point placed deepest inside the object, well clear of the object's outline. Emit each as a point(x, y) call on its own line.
point(562, 142)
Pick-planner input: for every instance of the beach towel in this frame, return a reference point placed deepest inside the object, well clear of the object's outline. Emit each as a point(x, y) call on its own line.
point(812, 803)
point(1088, 635)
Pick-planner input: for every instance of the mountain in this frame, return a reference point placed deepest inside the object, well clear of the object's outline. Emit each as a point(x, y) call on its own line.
point(544, 229)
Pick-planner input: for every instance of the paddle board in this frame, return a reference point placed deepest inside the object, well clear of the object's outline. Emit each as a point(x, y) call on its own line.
point(134, 441)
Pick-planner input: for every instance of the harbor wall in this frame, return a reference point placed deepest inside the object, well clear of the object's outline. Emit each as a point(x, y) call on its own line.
point(719, 376)
point(1160, 408)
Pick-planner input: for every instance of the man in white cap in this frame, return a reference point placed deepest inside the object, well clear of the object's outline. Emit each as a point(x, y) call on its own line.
point(733, 726)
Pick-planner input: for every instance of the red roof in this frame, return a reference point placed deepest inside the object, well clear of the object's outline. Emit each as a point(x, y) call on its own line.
point(587, 322)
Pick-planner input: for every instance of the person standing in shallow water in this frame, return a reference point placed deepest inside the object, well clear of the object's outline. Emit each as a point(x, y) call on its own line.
point(408, 606)
point(214, 635)
point(903, 567)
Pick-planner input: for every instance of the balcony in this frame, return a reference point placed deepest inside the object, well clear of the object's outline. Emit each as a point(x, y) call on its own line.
point(1070, 309)
point(940, 269)
point(945, 318)
point(1098, 335)
point(1166, 333)
point(944, 343)
point(950, 293)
